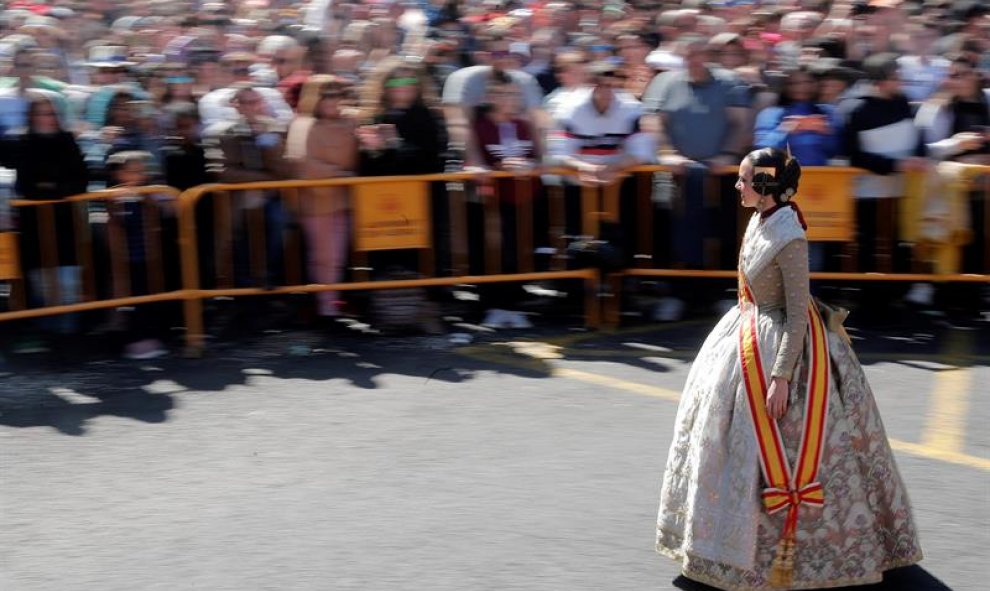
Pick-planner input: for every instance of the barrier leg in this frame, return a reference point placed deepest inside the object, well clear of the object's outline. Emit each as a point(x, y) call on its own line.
point(590, 210)
point(558, 226)
point(192, 305)
point(592, 305)
point(644, 220)
point(192, 309)
point(612, 301)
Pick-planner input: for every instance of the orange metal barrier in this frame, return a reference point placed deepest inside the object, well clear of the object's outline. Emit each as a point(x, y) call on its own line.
point(288, 191)
point(821, 194)
point(598, 206)
point(85, 217)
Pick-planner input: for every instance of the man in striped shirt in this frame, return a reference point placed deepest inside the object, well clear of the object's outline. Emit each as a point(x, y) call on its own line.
point(597, 131)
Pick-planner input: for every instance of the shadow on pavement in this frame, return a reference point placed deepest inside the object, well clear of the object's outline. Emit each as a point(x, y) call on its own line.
point(909, 578)
point(70, 417)
point(65, 397)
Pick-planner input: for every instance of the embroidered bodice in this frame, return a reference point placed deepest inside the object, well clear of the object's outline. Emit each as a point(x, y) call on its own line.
point(774, 259)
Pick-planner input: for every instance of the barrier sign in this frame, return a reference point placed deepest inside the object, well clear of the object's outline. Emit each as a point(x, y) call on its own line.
point(10, 267)
point(826, 200)
point(391, 215)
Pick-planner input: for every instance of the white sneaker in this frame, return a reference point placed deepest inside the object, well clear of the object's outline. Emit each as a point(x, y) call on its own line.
point(921, 294)
point(668, 310)
point(496, 318)
point(144, 350)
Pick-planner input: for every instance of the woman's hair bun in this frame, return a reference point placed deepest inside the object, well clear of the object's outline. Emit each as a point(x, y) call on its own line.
point(775, 173)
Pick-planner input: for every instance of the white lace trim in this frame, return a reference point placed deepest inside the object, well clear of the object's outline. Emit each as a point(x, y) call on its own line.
point(765, 238)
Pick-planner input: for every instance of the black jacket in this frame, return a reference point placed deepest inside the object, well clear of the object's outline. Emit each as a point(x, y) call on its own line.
point(423, 138)
point(886, 123)
point(48, 167)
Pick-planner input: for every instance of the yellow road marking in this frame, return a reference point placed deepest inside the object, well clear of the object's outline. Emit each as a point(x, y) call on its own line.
point(535, 355)
point(933, 453)
point(635, 387)
point(945, 429)
point(915, 449)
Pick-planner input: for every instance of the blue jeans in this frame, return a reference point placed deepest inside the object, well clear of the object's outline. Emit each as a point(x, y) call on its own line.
point(690, 224)
point(276, 219)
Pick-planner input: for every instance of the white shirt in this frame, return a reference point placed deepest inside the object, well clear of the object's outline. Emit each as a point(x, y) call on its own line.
point(215, 107)
point(582, 132)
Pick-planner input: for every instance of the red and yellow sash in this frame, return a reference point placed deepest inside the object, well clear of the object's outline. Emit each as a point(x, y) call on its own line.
point(786, 489)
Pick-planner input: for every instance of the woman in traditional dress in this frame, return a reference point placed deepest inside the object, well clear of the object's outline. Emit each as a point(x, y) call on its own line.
point(780, 475)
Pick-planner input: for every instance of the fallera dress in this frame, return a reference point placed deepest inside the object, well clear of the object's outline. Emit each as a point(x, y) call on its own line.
point(840, 501)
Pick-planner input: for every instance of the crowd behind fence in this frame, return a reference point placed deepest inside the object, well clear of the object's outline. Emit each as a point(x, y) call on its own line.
point(97, 94)
point(147, 249)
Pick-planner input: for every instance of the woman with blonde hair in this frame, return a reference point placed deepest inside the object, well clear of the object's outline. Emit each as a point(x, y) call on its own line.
point(321, 144)
point(402, 135)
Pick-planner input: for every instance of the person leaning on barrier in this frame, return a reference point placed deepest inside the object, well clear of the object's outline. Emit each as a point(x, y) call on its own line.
point(465, 88)
point(218, 105)
point(598, 131)
point(402, 131)
point(956, 128)
point(250, 149)
point(799, 121)
point(506, 141)
point(139, 254)
point(879, 135)
point(49, 166)
point(701, 116)
point(702, 110)
point(956, 123)
point(322, 143)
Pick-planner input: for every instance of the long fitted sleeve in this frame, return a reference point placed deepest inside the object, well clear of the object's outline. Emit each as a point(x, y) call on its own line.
point(793, 263)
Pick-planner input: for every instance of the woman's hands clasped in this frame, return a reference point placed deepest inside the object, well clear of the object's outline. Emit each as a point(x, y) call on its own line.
point(777, 397)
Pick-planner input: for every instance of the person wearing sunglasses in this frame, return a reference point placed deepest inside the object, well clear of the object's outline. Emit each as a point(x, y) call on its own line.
point(329, 149)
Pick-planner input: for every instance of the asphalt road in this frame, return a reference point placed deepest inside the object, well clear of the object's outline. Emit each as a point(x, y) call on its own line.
point(524, 461)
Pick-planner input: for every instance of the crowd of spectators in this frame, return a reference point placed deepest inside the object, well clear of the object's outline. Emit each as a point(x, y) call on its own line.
point(249, 90)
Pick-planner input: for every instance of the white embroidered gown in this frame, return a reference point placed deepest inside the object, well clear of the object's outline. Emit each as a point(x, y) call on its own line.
point(711, 518)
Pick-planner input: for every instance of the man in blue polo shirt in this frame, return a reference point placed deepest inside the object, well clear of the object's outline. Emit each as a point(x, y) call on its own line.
point(701, 115)
point(702, 110)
